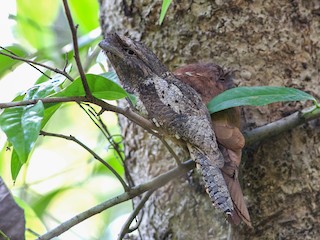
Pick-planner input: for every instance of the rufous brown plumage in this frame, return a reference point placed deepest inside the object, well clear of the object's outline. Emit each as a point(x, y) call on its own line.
point(209, 80)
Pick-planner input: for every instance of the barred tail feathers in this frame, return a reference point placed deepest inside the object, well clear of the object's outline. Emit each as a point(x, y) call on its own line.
point(216, 186)
point(214, 182)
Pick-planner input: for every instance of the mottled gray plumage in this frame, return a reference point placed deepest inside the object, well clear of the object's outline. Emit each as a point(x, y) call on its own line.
point(173, 106)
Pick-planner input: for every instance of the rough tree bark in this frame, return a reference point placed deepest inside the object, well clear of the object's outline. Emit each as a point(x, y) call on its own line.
point(265, 43)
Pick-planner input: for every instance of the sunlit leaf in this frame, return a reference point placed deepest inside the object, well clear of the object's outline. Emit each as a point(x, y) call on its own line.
point(50, 109)
point(40, 206)
point(46, 88)
point(164, 8)
point(113, 161)
point(111, 76)
point(85, 13)
point(16, 164)
point(34, 19)
point(5, 155)
point(7, 64)
point(256, 96)
point(99, 86)
point(33, 222)
point(22, 126)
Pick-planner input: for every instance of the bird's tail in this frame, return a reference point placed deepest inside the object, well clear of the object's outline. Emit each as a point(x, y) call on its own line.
point(230, 174)
point(214, 182)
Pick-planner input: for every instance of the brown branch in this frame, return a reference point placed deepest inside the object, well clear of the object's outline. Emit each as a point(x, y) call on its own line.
point(73, 29)
point(155, 183)
point(56, 70)
point(127, 112)
point(96, 156)
point(281, 125)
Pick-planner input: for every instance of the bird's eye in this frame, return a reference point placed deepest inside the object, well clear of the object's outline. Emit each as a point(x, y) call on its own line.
point(129, 51)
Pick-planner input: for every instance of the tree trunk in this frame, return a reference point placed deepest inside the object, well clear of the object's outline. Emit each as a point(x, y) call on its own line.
point(265, 43)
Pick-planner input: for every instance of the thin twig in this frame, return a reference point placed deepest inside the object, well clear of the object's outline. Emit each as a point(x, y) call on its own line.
point(155, 183)
point(30, 64)
point(125, 227)
point(56, 70)
point(96, 156)
point(96, 119)
point(76, 49)
point(33, 232)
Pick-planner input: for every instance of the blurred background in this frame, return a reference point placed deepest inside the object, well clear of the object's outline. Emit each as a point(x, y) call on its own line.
point(60, 179)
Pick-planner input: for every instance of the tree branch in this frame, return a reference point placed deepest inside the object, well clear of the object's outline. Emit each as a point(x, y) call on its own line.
point(155, 183)
point(56, 70)
point(281, 125)
point(76, 49)
point(44, 100)
point(127, 112)
point(96, 156)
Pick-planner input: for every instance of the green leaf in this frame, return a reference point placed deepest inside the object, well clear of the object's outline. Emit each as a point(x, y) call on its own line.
point(34, 20)
point(50, 109)
point(111, 76)
point(85, 13)
point(100, 87)
point(6, 63)
point(42, 203)
point(164, 8)
point(32, 220)
point(256, 96)
point(133, 99)
point(16, 164)
point(43, 90)
point(46, 88)
point(22, 126)
point(112, 159)
point(5, 155)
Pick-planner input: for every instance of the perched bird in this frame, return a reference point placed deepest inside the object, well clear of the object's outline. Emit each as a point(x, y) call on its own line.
point(209, 80)
point(175, 108)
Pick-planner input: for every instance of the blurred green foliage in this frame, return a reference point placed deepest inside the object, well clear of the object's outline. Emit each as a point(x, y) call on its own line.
point(48, 174)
